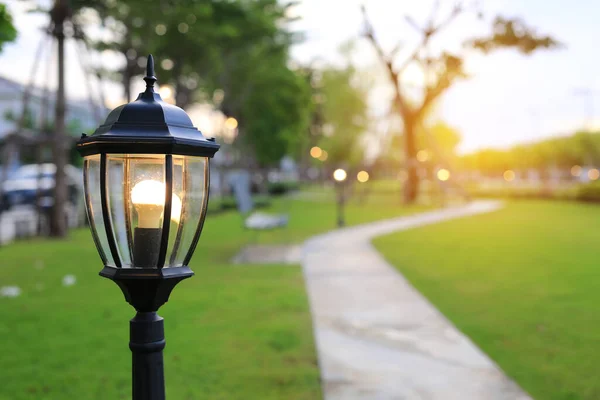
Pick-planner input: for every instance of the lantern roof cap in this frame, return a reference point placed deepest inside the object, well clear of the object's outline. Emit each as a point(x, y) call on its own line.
point(148, 125)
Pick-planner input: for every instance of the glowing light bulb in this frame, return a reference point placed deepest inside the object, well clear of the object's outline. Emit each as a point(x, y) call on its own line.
point(148, 198)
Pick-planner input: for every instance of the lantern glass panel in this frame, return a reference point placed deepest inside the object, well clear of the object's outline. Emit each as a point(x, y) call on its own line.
point(190, 180)
point(91, 179)
point(137, 211)
point(117, 198)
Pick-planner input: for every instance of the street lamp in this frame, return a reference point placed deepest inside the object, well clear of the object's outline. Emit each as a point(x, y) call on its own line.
point(339, 176)
point(146, 182)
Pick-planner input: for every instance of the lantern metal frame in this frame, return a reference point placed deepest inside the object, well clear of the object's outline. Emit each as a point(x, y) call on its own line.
point(147, 126)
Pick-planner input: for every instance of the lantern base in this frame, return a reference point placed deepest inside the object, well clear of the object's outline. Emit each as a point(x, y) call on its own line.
point(147, 289)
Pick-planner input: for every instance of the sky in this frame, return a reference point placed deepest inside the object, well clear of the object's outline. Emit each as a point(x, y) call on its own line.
point(509, 98)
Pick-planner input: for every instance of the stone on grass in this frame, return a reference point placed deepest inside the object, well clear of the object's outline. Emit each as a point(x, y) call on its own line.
point(10, 291)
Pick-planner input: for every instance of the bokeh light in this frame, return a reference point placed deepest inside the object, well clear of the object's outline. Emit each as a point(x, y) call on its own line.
point(167, 64)
point(183, 27)
point(443, 174)
point(339, 175)
point(362, 176)
point(422, 155)
point(160, 29)
point(231, 123)
point(576, 170)
point(509, 175)
point(167, 93)
point(316, 152)
point(593, 174)
point(324, 155)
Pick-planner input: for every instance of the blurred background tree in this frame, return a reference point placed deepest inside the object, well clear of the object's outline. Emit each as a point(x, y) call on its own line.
point(345, 116)
point(8, 33)
point(579, 149)
point(441, 69)
point(233, 55)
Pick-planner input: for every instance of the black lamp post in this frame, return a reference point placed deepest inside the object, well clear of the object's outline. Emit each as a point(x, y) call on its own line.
point(146, 177)
point(339, 177)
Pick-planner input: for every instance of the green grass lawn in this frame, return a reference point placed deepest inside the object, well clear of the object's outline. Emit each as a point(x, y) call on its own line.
point(233, 331)
point(523, 283)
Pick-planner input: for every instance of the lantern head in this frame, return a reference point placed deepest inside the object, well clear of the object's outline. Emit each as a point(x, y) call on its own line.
point(146, 182)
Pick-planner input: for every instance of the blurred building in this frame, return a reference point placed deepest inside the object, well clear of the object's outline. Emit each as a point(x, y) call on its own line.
point(80, 115)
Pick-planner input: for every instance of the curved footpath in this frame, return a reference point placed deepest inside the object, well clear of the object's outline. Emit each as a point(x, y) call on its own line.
point(377, 337)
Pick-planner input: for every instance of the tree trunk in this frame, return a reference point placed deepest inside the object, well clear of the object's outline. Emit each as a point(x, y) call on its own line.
point(182, 95)
point(58, 225)
point(127, 84)
point(6, 159)
point(411, 185)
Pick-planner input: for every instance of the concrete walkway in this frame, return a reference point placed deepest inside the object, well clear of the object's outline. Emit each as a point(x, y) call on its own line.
point(377, 337)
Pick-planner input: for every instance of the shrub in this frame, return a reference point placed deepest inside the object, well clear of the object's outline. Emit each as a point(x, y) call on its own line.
point(228, 203)
point(589, 192)
point(512, 192)
point(280, 188)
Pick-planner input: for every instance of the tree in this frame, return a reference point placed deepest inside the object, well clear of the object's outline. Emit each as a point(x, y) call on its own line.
point(252, 81)
point(340, 115)
point(238, 49)
point(8, 33)
point(199, 43)
point(62, 12)
point(345, 116)
point(580, 148)
point(439, 140)
point(441, 69)
point(275, 114)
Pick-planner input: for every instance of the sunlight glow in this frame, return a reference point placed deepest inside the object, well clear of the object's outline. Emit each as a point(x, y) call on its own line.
point(593, 174)
point(576, 170)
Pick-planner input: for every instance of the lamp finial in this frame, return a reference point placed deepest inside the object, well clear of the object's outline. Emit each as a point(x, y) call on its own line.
point(150, 78)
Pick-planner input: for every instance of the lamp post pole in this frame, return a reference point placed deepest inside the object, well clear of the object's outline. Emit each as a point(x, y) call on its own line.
point(147, 341)
point(339, 177)
point(341, 199)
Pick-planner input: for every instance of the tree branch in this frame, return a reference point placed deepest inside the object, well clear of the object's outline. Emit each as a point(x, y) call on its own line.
point(431, 29)
point(451, 70)
point(388, 63)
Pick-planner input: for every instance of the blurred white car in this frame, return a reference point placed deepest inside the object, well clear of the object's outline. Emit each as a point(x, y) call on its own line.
point(22, 187)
